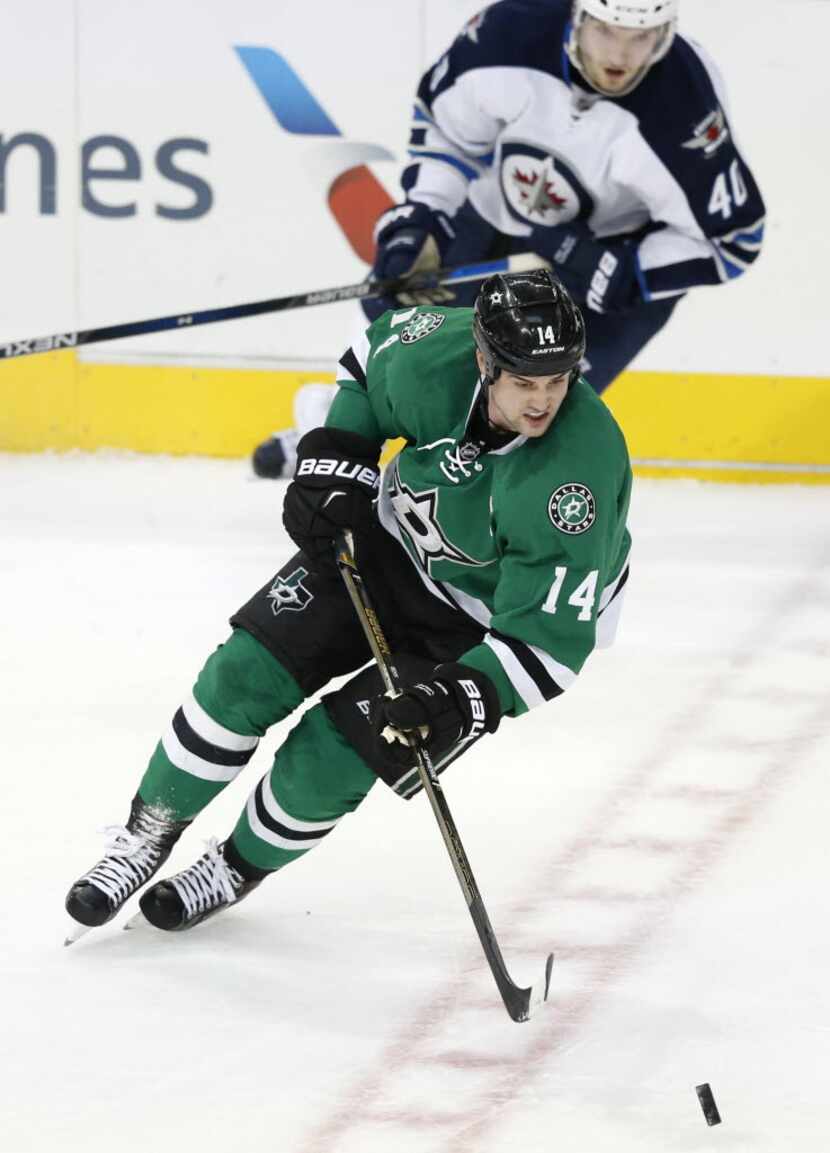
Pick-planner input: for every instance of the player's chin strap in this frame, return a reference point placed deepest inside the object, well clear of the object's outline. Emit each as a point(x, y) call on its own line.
point(518, 1002)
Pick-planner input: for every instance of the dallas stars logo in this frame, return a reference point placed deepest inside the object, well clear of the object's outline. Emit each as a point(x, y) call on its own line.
point(289, 593)
point(572, 508)
point(417, 517)
point(421, 325)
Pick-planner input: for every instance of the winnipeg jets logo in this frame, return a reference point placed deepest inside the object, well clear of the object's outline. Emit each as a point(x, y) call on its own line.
point(290, 593)
point(539, 188)
point(709, 135)
point(417, 517)
point(538, 194)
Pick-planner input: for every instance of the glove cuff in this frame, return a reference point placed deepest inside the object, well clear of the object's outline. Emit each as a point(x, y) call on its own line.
point(342, 440)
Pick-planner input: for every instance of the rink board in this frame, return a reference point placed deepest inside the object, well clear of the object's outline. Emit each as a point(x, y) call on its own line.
point(709, 426)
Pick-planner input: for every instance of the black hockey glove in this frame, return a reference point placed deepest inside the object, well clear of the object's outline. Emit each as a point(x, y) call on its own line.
point(411, 239)
point(598, 273)
point(456, 702)
point(335, 483)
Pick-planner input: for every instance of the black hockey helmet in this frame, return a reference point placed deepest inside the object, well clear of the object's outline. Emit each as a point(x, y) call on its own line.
point(525, 322)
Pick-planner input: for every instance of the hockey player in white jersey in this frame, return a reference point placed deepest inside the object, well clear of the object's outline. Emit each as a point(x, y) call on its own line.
point(591, 133)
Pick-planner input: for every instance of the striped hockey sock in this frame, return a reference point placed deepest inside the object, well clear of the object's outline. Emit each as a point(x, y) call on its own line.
point(316, 779)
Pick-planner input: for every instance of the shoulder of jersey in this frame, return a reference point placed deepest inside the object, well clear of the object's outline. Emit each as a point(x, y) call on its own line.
point(585, 429)
point(511, 34)
point(675, 94)
point(415, 324)
point(428, 331)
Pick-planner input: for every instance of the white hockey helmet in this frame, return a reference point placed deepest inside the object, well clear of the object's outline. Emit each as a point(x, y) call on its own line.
point(627, 14)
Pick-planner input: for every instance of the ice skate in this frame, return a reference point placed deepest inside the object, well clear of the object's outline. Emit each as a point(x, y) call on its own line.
point(205, 888)
point(133, 854)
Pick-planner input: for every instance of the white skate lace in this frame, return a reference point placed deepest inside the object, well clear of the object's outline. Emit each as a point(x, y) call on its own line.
point(127, 863)
point(207, 883)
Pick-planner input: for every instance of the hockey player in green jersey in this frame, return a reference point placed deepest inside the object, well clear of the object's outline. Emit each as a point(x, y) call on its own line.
point(495, 550)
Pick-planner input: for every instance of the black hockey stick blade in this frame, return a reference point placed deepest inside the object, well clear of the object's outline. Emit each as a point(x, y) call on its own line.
point(520, 1003)
point(520, 1007)
point(32, 345)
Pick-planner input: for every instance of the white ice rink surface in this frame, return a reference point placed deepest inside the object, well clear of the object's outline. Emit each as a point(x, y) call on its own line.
point(663, 828)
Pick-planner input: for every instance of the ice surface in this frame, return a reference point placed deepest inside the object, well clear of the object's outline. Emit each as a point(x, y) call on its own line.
point(662, 827)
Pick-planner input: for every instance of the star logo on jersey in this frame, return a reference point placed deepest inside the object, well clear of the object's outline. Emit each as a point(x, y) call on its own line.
point(289, 593)
point(417, 517)
point(539, 188)
point(421, 325)
point(572, 508)
point(709, 135)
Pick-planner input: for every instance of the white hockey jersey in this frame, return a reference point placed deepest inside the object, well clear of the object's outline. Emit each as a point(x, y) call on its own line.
point(506, 120)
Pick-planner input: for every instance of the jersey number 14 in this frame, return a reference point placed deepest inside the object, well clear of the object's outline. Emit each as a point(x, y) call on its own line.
point(581, 598)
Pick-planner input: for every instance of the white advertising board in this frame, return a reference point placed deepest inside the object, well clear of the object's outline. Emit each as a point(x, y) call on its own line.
point(175, 185)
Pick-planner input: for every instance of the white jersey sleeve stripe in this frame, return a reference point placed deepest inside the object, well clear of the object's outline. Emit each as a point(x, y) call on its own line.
point(521, 680)
point(561, 674)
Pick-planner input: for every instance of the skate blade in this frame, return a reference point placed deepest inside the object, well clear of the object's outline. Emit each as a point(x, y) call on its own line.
point(75, 931)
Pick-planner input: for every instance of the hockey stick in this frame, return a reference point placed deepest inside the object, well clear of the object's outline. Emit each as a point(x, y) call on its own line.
point(519, 1002)
point(365, 289)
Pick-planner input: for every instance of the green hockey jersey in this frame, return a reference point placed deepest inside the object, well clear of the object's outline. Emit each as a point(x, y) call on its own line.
point(529, 538)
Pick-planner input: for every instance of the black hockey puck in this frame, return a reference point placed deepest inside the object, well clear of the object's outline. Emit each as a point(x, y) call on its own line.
point(707, 1104)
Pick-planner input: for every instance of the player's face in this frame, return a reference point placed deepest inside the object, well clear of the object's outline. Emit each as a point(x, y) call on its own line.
point(612, 57)
point(525, 404)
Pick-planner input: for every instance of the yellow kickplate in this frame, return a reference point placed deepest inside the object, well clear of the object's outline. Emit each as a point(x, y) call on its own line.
point(763, 420)
point(756, 429)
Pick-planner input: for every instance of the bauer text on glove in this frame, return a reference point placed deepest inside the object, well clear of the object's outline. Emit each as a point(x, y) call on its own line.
point(335, 484)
